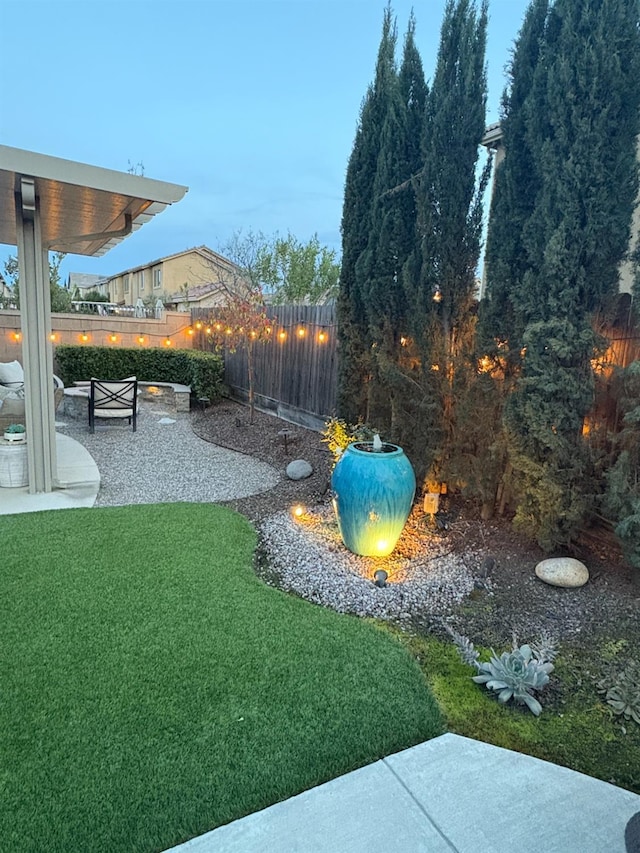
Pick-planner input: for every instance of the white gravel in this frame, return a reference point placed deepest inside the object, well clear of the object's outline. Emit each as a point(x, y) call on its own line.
point(164, 461)
point(309, 559)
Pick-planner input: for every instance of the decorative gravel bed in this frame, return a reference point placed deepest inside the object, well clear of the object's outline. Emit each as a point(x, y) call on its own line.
point(306, 556)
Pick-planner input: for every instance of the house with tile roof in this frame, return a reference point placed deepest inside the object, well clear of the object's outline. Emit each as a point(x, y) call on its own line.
point(195, 277)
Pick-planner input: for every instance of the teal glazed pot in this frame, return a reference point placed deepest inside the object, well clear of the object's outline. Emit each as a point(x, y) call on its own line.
point(373, 495)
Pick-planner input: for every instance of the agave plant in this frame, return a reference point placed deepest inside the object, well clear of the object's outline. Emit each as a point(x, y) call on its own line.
point(514, 674)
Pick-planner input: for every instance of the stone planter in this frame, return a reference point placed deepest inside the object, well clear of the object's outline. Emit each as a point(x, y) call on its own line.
point(373, 494)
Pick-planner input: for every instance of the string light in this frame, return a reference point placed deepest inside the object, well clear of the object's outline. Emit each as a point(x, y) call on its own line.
point(299, 330)
point(17, 336)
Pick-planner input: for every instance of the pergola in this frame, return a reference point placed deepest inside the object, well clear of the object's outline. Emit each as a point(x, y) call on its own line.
point(49, 204)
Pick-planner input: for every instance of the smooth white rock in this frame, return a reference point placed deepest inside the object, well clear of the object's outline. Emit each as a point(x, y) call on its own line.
point(563, 571)
point(299, 469)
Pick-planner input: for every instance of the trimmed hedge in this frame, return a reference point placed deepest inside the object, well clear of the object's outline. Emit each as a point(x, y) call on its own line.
point(203, 371)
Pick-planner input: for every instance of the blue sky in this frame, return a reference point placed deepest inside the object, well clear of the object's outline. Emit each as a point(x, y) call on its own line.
point(252, 104)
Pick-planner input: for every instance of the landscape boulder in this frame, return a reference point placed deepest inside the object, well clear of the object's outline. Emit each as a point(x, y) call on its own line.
point(299, 469)
point(563, 571)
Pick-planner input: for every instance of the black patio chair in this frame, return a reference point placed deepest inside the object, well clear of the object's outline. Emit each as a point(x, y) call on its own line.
point(113, 399)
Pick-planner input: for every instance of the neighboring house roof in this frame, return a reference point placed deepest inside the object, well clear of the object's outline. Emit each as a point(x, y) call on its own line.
point(84, 281)
point(492, 135)
point(197, 292)
point(204, 251)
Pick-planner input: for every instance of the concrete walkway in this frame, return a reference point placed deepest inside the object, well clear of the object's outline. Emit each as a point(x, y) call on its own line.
point(448, 795)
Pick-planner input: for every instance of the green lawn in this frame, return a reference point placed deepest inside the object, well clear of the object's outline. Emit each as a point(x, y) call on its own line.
point(152, 687)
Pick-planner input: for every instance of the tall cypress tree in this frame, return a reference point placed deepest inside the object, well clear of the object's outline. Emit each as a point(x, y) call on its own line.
point(354, 351)
point(392, 238)
point(516, 186)
point(582, 118)
point(449, 212)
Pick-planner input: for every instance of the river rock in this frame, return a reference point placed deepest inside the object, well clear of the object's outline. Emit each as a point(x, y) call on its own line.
point(563, 571)
point(299, 469)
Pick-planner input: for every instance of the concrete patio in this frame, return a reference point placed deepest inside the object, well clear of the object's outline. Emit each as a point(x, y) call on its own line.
point(448, 795)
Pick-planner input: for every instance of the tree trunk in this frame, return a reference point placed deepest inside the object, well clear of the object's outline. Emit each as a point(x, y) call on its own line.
point(250, 369)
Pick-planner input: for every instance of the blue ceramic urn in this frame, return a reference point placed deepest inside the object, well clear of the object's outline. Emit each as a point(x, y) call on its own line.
point(373, 488)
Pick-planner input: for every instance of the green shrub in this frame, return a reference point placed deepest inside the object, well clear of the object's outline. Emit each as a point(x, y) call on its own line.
point(201, 370)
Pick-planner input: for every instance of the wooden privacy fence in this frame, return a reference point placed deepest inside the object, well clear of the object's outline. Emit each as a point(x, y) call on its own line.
point(295, 369)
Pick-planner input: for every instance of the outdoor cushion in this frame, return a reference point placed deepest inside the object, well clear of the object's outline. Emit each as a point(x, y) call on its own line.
point(8, 391)
point(12, 407)
point(11, 373)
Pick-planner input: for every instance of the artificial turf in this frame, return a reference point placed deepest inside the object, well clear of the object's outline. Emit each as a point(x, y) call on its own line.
point(153, 688)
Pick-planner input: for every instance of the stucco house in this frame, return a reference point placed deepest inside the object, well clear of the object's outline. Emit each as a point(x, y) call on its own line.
point(196, 276)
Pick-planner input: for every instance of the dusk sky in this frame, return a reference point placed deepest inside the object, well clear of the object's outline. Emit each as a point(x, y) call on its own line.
point(253, 104)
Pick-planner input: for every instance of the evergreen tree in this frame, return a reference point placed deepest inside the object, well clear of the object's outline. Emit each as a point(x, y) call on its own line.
point(354, 350)
point(578, 127)
point(392, 238)
point(449, 213)
point(516, 186)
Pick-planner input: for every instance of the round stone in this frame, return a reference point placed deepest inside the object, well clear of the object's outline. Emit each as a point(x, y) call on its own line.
point(299, 469)
point(563, 571)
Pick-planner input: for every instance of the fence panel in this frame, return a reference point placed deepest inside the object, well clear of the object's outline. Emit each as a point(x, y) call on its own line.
point(295, 369)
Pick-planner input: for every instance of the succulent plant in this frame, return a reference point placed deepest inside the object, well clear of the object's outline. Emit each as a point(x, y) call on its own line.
point(15, 429)
point(622, 692)
point(514, 674)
